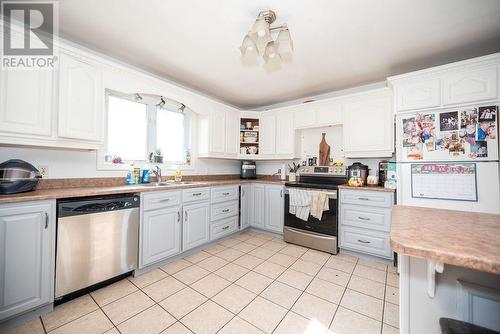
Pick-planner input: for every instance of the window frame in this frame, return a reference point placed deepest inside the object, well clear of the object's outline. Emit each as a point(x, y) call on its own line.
point(151, 130)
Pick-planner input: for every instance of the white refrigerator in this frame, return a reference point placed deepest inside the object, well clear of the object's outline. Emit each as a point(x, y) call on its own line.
point(448, 159)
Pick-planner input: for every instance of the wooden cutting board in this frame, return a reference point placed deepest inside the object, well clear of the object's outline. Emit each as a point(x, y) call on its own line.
point(324, 151)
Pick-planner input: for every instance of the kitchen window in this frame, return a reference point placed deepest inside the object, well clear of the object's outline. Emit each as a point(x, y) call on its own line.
point(146, 128)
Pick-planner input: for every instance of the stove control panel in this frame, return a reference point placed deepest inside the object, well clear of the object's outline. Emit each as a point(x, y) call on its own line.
point(322, 170)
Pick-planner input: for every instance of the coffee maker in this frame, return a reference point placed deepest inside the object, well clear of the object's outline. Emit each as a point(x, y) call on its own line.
point(248, 170)
point(382, 172)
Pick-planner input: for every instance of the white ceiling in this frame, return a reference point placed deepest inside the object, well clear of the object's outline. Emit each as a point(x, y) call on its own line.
point(338, 43)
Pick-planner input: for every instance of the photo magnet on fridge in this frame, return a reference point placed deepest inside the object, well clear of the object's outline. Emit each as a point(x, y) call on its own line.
point(468, 122)
point(479, 150)
point(486, 128)
point(448, 121)
point(410, 132)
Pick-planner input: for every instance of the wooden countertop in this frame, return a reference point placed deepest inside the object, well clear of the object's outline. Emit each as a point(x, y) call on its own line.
point(368, 188)
point(70, 192)
point(465, 239)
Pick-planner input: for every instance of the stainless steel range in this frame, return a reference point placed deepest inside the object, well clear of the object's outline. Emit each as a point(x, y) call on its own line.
point(313, 233)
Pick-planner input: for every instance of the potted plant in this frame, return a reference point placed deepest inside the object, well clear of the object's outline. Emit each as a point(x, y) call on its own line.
point(156, 156)
point(292, 169)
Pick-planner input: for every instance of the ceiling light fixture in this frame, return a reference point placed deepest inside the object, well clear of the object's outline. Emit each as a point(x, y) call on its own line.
point(259, 41)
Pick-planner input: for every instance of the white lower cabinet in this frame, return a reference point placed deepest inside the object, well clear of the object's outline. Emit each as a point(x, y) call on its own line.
point(365, 221)
point(258, 204)
point(273, 208)
point(161, 231)
point(223, 227)
point(245, 205)
point(27, 254)
point(195, 225)
point(264, 206)
point(224, 211)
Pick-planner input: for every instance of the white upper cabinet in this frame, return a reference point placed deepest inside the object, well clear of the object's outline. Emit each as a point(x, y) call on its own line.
point(305, 117)
point(80, 98)
point(419, 94)
point(285, 134)
point(26, 102)
point(470, 86)
point(215, 136)
point(267, 134)
point(328, 113)
point(218, 131)
point(368, 125)
point(470, 81)
point(232, 132)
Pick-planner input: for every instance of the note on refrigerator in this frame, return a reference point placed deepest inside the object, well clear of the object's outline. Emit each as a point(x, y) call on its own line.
point(450, 181)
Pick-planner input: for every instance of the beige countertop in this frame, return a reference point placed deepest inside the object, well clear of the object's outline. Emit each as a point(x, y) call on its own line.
point(369, 188)
point(465, 239)
point(69, 192)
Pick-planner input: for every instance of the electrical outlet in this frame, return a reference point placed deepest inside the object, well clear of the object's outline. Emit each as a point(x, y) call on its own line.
point(44, 170)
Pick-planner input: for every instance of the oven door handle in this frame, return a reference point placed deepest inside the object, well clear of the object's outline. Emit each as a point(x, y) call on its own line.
point(329, 194)
point(301, 232)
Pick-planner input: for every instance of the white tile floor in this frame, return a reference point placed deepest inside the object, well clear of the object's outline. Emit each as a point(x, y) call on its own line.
point(250, 283)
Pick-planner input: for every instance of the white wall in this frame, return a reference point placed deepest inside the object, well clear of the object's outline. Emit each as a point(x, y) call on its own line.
point(70, 163)
point(309, 147)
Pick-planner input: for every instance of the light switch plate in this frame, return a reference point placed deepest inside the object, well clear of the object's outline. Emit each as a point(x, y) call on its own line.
point(44, 170)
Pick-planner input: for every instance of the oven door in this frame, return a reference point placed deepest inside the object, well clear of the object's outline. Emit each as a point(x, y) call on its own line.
point(327, 225)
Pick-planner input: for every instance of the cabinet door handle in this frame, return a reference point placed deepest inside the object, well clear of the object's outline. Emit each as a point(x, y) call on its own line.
point(46, 220)
point(225, 210)
point(225, 227)
point(242, 192)
point(363, 241)
point(178, 216)
point(363, 218)
point(225, 194)
point(197, 194)
point(185, 216)
point(363, 198)
point(164, 200)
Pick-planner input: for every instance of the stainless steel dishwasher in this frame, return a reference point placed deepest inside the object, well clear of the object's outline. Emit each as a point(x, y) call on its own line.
point(97, 239)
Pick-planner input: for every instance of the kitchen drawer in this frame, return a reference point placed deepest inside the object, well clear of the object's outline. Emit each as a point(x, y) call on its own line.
point(223, 210)
point(366, 197)
point(223, 228)
point(365, 241)
point(366, 217)
point(195, 194)
point(160, 199)
point(222, 194)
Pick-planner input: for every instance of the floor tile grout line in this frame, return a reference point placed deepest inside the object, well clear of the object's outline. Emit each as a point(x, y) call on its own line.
point(383, 305)
point(138, 289)
point(343, 293)
point(303, 291)
point(81, 316)
point(100, 308)
point(274, 252)
point(43, 325)
point(256, 295)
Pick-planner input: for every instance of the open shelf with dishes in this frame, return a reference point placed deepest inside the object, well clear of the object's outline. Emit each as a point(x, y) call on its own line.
point(249, 136)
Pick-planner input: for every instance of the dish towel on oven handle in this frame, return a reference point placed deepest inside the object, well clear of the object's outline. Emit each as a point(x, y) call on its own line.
point(300, 203)
point(319, 203)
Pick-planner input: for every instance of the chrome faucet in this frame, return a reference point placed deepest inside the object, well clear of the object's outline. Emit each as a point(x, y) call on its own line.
point(157, 172)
